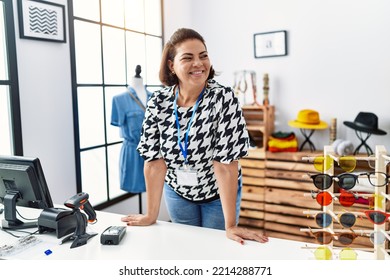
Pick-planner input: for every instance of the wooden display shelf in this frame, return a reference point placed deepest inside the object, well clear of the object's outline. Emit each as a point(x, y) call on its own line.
point(260, 123)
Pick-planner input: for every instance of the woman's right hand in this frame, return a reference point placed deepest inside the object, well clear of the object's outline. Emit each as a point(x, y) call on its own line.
point(138, 220)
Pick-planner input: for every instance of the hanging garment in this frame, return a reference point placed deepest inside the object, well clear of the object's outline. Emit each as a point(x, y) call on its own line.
point(128, 114)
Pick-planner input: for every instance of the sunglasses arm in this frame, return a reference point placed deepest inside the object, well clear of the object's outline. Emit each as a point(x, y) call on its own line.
point(334, 157)
point(313, 230)
point(385, 195)
point(385, 234)
point(330, 212)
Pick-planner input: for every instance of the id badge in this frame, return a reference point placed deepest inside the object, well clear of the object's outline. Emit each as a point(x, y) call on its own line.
point(186, 176)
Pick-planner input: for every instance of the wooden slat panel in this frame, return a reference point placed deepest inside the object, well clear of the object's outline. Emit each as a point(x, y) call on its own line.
point(253, 172)
point(287, 165)
point(247, 204)
point(256, 181)
point(256, 154)
point(288, 175)
point(252, 163)
point(285, 219)
point(288, 197)
point(289, 210)
point(289, 184)
point(291, 157)
point(257, 225)
point(252, 214)
point(253, 193)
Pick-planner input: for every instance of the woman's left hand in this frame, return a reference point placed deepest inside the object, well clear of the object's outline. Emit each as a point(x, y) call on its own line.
point(240, 234)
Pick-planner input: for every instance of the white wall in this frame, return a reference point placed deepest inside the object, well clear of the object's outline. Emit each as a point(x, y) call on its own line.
point(338, 61)
point(46, 109)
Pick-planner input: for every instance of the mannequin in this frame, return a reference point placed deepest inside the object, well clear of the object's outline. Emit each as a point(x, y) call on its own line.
point(137, 84)
point(128, 110)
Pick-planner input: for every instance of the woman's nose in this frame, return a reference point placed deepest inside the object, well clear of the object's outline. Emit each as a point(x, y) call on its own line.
point(197, 62)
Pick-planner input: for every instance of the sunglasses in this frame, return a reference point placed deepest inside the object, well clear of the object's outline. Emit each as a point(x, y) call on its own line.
point(326, 237)
point(378, 237)
point(322, 163)
point(324, 220)
point(376, 179)
point(324, 253)
point(377, 217)
point(345, 181)
point(325, 198)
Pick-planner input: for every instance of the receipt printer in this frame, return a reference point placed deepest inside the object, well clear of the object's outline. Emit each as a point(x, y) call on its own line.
point(62, 221)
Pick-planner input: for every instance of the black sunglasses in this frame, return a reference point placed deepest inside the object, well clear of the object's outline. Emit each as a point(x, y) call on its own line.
point(347, 181)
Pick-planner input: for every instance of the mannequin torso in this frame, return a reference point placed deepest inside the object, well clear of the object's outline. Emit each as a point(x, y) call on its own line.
point(138, 85)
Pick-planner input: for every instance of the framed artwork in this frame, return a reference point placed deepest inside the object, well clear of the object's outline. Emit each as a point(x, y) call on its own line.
point(269, 44)
point(41, 20)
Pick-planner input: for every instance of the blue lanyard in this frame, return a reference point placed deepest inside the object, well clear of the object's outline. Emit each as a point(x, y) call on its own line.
point(185, 149)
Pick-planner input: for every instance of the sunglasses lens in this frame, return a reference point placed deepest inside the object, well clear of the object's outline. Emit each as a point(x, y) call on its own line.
point(347, 181)
point(377, 237)
point(323, 237)
point(347, 220)
point(324, 198)
point(322, 181)
point(346, 238)
point(347, 199)
point(323, 220)
point(348, 164)
point(323, 164)
point(348, 254)
point(323, 253)
point(377, 217)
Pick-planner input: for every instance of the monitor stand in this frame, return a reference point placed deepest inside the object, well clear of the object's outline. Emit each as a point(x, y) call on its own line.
point(10, 221)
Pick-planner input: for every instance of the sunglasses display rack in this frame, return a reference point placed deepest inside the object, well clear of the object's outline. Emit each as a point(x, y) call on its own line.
point(379, 219)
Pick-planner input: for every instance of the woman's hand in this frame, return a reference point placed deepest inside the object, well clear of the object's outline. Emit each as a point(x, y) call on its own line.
point(138, 220)
point(239, 234)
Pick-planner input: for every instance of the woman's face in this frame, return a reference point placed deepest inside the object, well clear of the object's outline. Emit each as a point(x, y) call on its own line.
point(191, 63)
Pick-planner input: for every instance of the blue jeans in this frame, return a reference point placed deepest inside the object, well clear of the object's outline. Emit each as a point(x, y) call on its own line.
point(207, 214)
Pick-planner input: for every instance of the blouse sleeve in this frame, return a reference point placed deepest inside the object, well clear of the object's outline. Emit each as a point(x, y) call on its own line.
point(117, 114)
point(232, 140)
point(149, 144)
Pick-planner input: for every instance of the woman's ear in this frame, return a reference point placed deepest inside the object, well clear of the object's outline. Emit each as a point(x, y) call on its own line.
point(170, 66)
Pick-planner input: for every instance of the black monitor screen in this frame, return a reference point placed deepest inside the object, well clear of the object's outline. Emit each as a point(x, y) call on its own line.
point(22, 183)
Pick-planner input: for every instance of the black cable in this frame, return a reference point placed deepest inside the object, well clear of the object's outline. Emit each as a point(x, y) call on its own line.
point(35, 219)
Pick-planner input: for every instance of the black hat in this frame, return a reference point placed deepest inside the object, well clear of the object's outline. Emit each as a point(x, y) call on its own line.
point(366, 122)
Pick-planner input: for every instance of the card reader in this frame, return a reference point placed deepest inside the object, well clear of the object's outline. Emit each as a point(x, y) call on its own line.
point(112, 235)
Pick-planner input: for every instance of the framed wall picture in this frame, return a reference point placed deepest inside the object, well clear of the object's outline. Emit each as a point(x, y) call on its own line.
point(41, 20)
point(269, 44)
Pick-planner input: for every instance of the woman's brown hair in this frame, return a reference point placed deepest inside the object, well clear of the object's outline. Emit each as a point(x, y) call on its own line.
point(166, 76)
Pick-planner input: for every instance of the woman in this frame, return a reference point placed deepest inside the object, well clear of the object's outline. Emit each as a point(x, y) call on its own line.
point(193, 136)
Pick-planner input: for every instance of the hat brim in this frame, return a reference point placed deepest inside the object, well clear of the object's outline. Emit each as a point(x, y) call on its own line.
point(367, 130)
point(320, 125)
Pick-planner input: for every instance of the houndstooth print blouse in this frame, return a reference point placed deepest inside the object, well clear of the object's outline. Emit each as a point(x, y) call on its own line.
point(218, 132)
